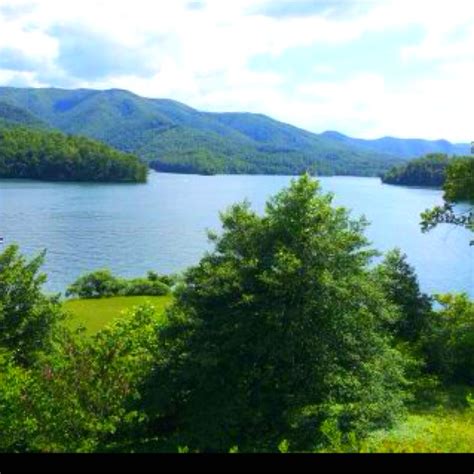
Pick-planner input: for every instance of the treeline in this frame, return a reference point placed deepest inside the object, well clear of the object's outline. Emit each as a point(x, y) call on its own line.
point(181, 150)
point(283, 338)
point(427, 171)
point(11, 116)
point(53, 156)
point(102, 284)
point(175, 136)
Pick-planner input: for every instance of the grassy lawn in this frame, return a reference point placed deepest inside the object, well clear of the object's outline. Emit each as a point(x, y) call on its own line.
point(446, 427)
point(445, 432)
point(95, 314)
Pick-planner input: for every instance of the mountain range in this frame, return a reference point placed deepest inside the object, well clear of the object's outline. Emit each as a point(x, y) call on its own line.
point(172, 136)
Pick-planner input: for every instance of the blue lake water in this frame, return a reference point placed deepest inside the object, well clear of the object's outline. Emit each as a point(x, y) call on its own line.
point(162, 225)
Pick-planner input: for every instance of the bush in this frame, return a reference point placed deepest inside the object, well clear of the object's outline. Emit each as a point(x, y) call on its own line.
point(78, 396)
point(144, 287)
point(102, 284)
point(401, 286)
point(448, 341)
point(27, 316)
point(98, 284)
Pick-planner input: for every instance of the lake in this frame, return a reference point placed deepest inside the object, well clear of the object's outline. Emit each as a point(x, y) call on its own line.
point(162, 225)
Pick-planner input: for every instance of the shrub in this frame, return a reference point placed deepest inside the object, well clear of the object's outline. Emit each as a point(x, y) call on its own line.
point(98, 284)
point(78, 397)
point(102, 284)
point(448, 341)
point(27, 316)
point(144, 287)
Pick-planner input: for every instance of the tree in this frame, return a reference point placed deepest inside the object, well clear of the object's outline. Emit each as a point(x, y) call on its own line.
point(448, 340)
point(459, 187)
point(98, 284)
point(76, 398)
point(401, 285)
point(27, 316)
point(102, 284)
point(277, 331)
point(427, 171)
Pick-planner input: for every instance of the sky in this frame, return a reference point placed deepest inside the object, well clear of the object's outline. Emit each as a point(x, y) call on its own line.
point(364, 68)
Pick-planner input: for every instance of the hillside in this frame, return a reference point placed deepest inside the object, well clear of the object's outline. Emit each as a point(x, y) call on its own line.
point(427, 171)
point(407, 148)
point(28, 153)
point(12, 116)
point(175, 137)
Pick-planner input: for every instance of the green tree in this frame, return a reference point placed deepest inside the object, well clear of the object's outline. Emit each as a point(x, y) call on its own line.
point(459, 187)
point(77, 397)
point(427, 171)
point(401, 285)
point(102, 284)
point(448, 340)
point(278, 330)
point(27, 316)
point(98, 284)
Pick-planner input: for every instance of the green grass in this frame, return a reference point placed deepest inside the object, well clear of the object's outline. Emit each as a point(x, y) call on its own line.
point(446, 427)
point(444, 423)
point(95, 314)
point(445, 432)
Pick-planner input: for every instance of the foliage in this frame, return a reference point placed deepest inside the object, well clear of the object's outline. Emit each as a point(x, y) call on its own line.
point(11, 116)
point(408, 148)
point(400, 284)
point(459, 188)
point(177, 138)
point(95, 314)
point(448, 341)
point(427, 171)
point(36, 154)
point(277, 330)
point(102, 284)
point(97, 284)
point(27, 316)
point(78, 396)
point(446, 426)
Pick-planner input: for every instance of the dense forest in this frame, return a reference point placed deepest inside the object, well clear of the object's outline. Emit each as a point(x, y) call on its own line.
point(48, 155)
point(178, 138)
point(427, 171)
point(284, 338)
point(11, 116)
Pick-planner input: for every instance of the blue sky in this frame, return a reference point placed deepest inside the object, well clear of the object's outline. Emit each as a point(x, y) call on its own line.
point(366, 68)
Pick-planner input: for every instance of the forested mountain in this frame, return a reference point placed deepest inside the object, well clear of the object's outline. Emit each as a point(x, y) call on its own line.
point(12, 116)
point(402, 147)
point(48, 155)
point(427, 171)
point(175, 137)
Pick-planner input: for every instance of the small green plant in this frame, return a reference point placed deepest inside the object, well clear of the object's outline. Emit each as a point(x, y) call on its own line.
point(284, 446)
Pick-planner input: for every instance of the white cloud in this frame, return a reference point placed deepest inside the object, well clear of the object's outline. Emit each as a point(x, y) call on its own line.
point(201, 56)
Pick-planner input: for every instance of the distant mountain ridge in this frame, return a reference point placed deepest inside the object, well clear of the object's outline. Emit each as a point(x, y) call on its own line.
point(175, 137)
point(12, 116)
point(402, 147)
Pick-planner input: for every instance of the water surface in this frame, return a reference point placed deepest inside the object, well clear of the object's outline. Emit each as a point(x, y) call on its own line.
point(161, 225)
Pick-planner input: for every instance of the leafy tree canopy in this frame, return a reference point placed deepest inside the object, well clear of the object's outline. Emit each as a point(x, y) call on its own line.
point(427, 171)
point(44, 155)
point(27, 316)
point(278, 330)
point(459, 188)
